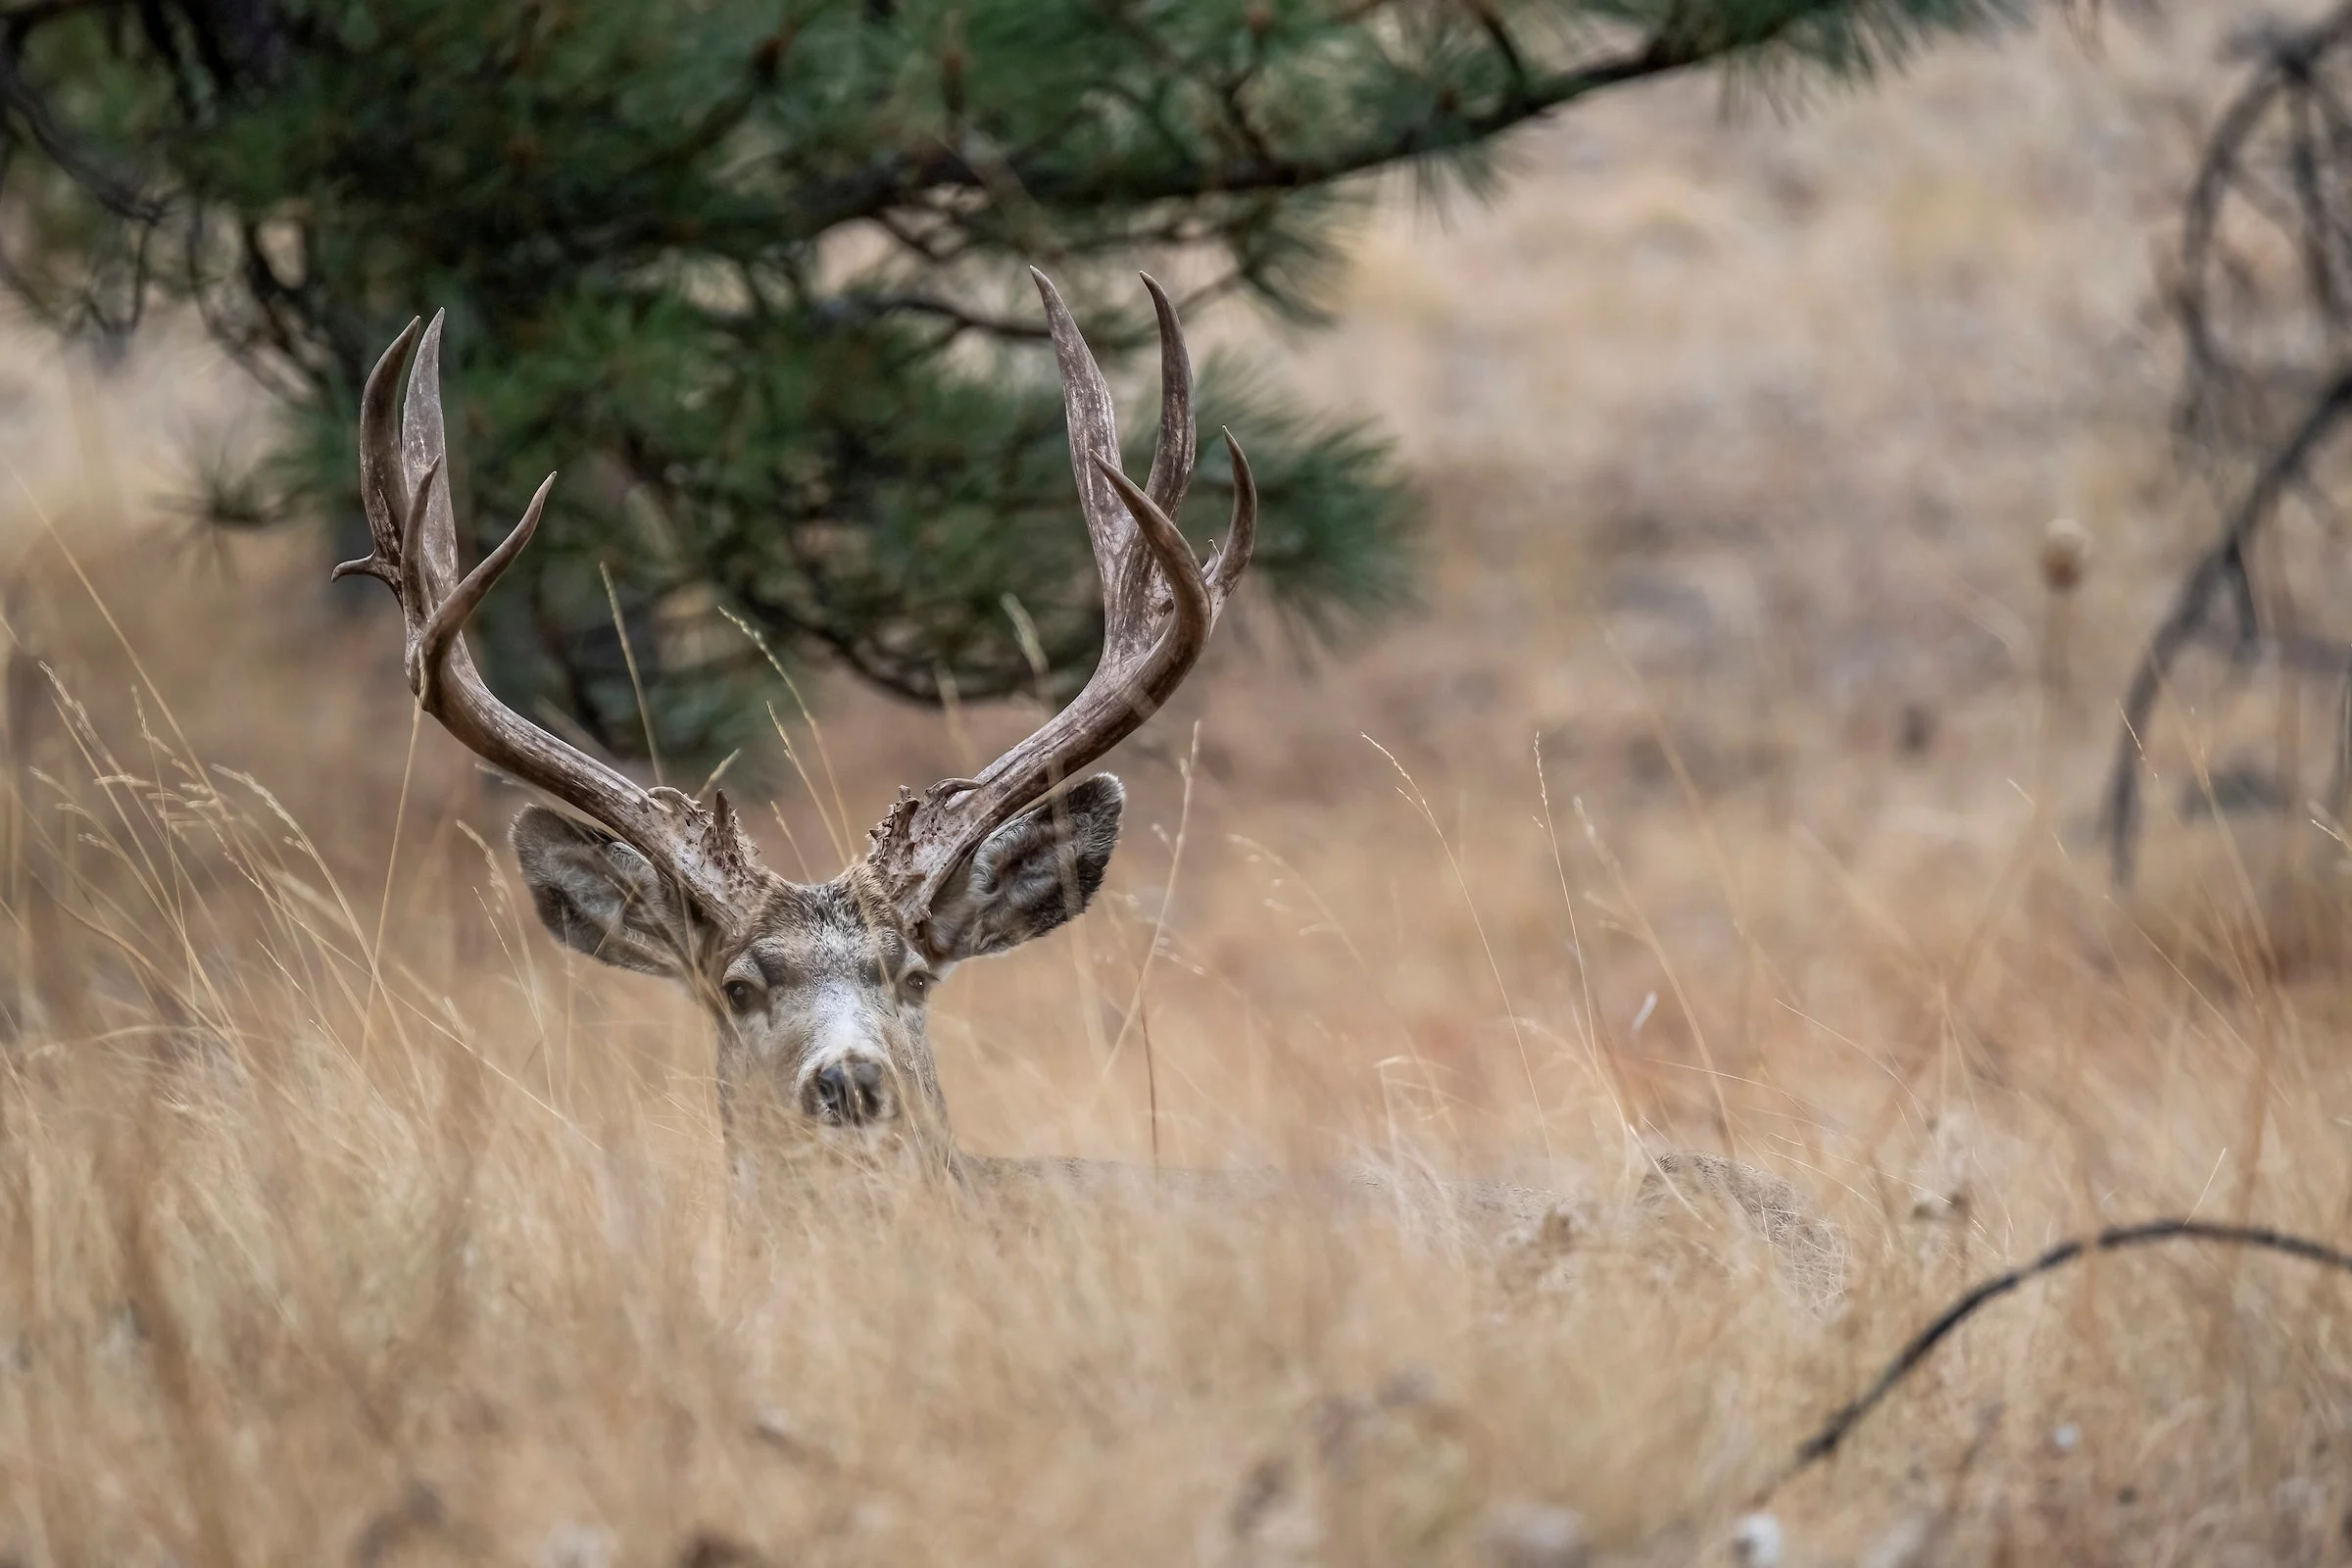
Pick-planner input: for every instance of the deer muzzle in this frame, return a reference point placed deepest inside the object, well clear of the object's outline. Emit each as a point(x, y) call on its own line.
point(851, 1092)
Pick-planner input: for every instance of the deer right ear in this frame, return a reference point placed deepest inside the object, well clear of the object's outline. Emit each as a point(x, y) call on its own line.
point(598, 896)
point(1031, 875)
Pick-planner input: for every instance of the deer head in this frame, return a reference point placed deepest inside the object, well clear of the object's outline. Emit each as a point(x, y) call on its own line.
point(818, 991)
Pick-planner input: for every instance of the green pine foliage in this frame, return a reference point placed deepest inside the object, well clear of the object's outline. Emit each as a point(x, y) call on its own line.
point(752, 273)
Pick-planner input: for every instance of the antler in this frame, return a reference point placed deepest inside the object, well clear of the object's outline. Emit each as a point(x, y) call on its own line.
point(1159, 607)
point(404, 485)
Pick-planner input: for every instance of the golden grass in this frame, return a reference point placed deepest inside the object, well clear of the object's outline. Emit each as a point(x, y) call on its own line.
point(1727, 796)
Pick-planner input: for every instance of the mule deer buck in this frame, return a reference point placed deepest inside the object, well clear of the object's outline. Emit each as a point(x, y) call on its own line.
point(819, 992)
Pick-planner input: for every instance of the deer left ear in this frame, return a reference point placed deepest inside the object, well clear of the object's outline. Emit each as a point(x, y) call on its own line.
point(597, 895)
point(1036, 872)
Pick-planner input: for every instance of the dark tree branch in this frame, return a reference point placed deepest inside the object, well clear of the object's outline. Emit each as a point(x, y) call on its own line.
point(26, 108)
point(1834, 1432)
point(2221, 568)
point(892, 182)
point(2285, 121)
point(966, 320)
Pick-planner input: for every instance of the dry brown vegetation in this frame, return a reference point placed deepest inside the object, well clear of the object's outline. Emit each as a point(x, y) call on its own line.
point(1731, 794)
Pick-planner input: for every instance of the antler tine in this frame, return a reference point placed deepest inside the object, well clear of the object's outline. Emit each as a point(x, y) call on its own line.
point(1195, 610)
point(1172, 462)
point(404, 483)
point(440, 633)
point(1232, 558)
point(1159, 609)
point(382, 495)
point(1095, 440)
point(408, 578)
point(431, 560)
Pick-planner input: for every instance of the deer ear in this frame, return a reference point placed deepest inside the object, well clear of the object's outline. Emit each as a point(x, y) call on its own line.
point(598, 896)
point(1032, 874)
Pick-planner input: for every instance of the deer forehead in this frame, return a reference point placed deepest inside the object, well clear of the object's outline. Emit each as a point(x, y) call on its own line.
point(804, 935)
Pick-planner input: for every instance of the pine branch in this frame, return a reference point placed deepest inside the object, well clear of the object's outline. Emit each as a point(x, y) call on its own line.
point(636, 216)
point(896, 180)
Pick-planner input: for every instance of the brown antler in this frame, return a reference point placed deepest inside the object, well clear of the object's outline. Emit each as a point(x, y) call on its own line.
point(404, 485)
point(1159, 607)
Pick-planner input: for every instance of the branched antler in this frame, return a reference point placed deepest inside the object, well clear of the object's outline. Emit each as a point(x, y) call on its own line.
point(404, 485)
point(1160, 605)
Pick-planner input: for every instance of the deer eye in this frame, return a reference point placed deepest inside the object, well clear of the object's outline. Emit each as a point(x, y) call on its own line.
point(916, 985)
point(740, 995)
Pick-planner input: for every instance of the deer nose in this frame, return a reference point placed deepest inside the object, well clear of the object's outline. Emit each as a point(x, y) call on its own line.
point(847, 1093)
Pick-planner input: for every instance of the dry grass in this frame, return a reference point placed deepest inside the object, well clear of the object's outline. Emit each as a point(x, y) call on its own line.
point(343, 1217)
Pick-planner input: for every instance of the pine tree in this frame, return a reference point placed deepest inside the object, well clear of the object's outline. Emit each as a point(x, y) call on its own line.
point(752, 272)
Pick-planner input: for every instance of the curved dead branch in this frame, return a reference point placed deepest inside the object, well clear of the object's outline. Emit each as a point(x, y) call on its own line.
point(1835, 1430)
point(2264, 300)
point(2219, 583)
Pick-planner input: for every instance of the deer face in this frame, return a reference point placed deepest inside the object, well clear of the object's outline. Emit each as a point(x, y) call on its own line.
point(820, 991)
